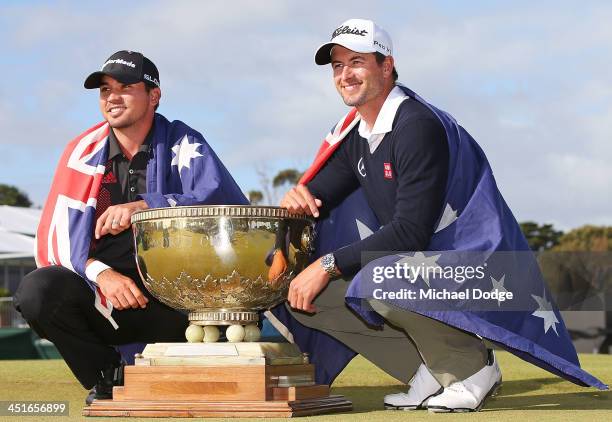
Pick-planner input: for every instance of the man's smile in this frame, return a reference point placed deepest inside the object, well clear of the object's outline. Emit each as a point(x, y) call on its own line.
point(350, 87)
point(116, 111)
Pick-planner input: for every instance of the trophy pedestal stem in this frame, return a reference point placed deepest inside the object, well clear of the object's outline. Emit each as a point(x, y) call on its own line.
point(223, 317)
point(219, 380)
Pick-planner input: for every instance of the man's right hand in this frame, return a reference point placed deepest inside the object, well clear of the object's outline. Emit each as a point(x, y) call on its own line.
point(299, 200)
point(120, 290)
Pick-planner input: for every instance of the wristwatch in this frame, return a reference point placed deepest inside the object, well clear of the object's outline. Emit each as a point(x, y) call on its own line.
point(328, 262)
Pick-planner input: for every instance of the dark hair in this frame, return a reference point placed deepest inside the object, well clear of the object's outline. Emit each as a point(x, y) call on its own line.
point(148, 88)
point(380, 58)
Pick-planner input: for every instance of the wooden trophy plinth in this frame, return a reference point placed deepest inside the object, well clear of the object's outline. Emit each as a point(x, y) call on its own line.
point(219, 380)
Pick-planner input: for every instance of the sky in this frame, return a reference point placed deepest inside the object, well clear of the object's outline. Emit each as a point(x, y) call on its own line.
point(531, 81)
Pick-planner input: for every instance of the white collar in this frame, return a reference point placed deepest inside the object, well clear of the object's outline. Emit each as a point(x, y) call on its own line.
point(384, 120)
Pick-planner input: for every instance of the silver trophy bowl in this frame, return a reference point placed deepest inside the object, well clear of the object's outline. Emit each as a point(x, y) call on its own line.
point(221, 264)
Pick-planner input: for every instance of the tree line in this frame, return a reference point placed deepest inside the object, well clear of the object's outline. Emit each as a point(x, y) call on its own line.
point(10, 195)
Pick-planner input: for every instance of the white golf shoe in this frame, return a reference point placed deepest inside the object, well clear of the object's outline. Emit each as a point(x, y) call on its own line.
point(422, 386)
point(470, 394)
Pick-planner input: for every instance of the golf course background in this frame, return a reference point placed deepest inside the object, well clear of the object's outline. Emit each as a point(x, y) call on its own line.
point(528, 393)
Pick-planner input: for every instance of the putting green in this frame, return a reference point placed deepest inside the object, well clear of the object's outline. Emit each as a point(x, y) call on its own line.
point(528, 393)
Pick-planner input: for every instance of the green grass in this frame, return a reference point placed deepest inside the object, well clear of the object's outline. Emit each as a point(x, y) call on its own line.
point(528, 393)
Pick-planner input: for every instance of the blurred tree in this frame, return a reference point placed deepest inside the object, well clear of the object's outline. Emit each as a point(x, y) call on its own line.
point(579, 271)
point(269, 196)
point(255, 197)
point(273, 189)
point(586, 238)
point(291, 176)
point(540, 237)
point(10, 195)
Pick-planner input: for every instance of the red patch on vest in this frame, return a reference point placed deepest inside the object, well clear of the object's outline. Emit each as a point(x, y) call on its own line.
point(388, 171)
point(109, 178)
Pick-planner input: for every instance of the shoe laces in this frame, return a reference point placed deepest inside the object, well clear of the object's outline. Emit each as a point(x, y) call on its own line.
point(457, 387)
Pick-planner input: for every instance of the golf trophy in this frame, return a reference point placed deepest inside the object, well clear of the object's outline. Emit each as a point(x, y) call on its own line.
point(222, 265)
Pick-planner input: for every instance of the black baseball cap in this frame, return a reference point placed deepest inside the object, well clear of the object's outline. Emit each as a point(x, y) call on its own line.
point(127, 67)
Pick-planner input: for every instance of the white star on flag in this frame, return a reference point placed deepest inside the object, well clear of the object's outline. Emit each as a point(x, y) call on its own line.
point(184, 152)
point(498, 286)
point(448, 217)
point(545, 312)
point(420, 260)
point(364, 231)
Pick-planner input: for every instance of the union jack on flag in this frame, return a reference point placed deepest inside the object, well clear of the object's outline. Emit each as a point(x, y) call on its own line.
point(65, 228)
point(331, 143)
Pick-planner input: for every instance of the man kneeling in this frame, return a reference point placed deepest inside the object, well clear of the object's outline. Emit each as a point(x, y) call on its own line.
point(86, 296)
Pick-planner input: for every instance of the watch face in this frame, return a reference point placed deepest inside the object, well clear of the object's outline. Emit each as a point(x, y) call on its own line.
point(328, 263)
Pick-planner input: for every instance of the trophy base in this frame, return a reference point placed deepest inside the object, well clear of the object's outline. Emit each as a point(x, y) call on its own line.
point(219, 380)
point(221, 409)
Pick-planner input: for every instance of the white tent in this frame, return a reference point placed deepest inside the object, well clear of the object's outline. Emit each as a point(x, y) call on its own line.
point(15, 244)
point(19, 219)
point(17, 230)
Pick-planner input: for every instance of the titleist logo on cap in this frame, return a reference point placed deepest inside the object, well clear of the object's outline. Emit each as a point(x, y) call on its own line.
point(119, 61)
point(347, 30)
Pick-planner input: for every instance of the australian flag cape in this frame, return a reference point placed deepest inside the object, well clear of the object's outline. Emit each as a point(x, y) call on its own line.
point(182, 170)
point(475, 218)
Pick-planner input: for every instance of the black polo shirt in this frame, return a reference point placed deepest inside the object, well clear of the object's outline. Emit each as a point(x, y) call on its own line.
point(123, 181)
point(404, 181)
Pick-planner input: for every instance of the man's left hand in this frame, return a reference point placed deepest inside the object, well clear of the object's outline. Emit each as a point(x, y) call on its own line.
point(117, 218)
point(306, 286)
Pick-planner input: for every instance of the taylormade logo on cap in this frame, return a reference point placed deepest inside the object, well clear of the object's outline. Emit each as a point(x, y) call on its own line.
point(118, 61)
point(359, 35)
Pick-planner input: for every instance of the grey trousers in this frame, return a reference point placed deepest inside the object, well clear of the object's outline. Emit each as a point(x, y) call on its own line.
point(406, 339)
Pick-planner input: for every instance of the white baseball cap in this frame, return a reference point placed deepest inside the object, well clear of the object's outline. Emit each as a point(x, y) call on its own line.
point(359, 35)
